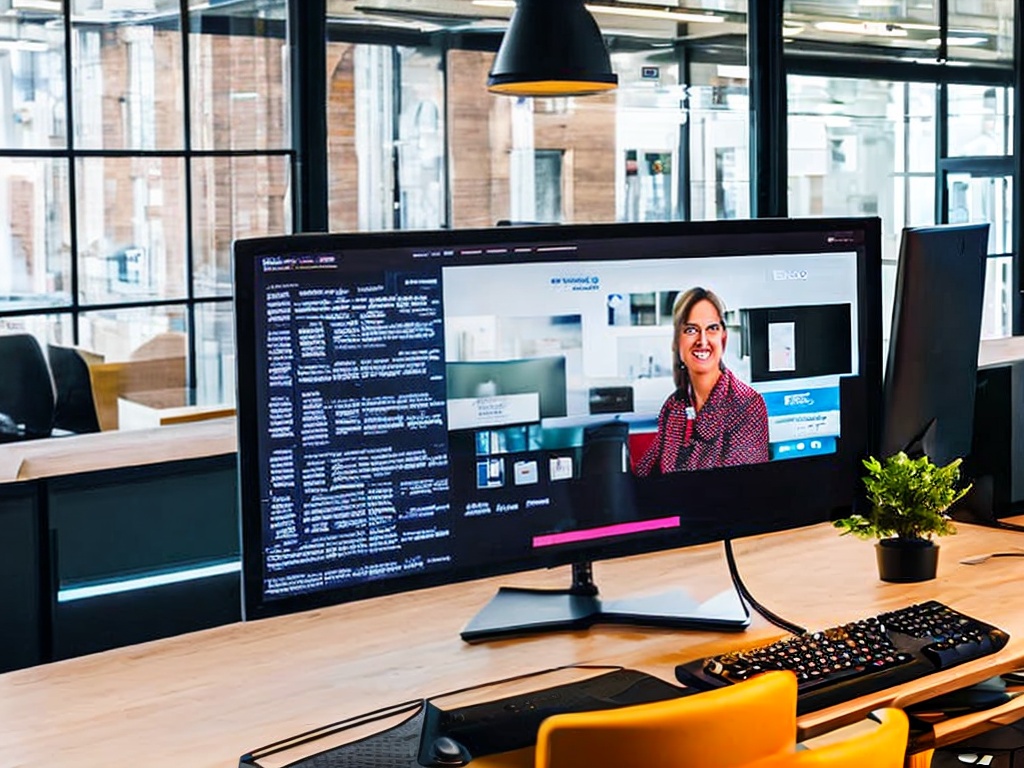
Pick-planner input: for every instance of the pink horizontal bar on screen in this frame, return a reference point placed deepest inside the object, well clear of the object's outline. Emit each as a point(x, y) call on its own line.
point(586, 534)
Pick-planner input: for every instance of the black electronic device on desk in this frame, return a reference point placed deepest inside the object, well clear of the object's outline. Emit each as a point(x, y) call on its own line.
point(862, 657)
point(432, 733)
point(423, 408)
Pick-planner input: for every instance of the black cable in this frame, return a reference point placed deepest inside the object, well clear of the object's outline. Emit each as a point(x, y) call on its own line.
point(748, 598)
point(985, 520)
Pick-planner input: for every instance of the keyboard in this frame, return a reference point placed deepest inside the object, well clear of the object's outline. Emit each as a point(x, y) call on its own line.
point(855, 659)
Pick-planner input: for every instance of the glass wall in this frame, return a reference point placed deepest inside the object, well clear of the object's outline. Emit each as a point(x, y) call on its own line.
point(870, 147)
point(35, 253)
point(386, 132)
point(139, 138)
point(979, 31)
point(415, 139)
point(136, 142)
point(718, 97)
point(863, 148)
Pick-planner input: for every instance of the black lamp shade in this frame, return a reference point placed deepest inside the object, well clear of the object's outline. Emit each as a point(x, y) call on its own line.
point(551, 48)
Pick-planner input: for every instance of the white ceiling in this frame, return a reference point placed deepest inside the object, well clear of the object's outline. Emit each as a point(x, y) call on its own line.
point(427, 15)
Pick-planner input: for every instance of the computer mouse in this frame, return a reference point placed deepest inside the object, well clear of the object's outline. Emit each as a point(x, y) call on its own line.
point(447, 751)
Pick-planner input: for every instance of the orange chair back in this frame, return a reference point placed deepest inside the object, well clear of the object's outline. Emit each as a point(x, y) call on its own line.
point(882, 746)
point(727, 727)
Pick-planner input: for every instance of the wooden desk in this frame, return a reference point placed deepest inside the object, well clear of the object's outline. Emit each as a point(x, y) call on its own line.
point(161, 407)
point(1000, 351)
point(56, 456)
point(204, 699)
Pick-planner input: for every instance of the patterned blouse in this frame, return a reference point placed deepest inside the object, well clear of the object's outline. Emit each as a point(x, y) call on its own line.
point(731, 429)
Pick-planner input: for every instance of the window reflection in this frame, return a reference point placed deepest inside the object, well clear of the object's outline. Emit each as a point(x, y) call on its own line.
point(981, 30)
point(977, 31)
point(131, 229)
point(719, 125)
point(215, 353)
point(421, 171)
point(850, 145)
point(127, 65)
point(853, 151)
point(232, 197)
point(48, 329)
point(818, 26)
point(237, 77)
point(144, 333)
point(32, 66)
point(979, 122)
point(35, 268)
point(974, 198)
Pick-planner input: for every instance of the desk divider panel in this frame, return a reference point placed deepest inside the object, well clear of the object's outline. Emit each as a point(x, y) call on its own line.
point(143, 552)
point(22, 573)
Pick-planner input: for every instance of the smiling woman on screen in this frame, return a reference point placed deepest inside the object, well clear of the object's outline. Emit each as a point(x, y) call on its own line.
point(712, 419)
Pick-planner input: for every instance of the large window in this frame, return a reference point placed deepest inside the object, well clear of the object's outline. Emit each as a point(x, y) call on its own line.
point(863, 147)
point(137, 143)
point(139, 138)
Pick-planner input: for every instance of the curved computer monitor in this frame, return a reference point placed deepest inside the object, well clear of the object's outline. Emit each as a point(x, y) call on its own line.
point(932, 363)
point(419, 408)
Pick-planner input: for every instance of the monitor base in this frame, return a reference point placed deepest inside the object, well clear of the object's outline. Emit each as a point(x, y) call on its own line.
point(515, 611)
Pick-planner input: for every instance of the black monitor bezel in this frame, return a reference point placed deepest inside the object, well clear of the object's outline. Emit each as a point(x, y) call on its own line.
point(865, 230)
point(922, 381)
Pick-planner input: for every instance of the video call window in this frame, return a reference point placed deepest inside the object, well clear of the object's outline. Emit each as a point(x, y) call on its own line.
point(602, 337)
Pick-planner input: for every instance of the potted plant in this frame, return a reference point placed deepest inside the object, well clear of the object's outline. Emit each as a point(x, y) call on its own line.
point(909, 499)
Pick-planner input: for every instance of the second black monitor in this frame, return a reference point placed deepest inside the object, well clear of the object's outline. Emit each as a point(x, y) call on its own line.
point(932, 363)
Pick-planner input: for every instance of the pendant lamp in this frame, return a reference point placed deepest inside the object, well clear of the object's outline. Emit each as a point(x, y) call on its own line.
point(551, 48)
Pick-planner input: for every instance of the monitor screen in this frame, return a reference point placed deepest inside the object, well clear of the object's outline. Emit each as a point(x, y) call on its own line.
point(932, 362)
point(418, 408)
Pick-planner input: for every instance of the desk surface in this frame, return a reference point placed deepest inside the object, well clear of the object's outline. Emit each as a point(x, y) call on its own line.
point(204, 699)
point(162, 407)
point(54, 456)
point(993, 352)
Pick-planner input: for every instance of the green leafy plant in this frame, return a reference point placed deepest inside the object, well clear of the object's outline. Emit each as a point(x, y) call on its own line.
point(909, 499)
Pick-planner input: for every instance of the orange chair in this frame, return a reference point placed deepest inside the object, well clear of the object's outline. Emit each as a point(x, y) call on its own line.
point(881, 745)
point(748, 725)
point(725, 728)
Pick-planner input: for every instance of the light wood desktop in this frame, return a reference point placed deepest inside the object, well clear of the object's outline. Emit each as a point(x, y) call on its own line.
point(992, 352)
point(161, 407)
point(206, 698)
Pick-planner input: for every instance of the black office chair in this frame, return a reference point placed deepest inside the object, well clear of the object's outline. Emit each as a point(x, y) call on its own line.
point(75, 410)
point(26, 389)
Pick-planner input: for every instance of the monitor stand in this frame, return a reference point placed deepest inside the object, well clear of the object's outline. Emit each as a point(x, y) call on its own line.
point(515, 611)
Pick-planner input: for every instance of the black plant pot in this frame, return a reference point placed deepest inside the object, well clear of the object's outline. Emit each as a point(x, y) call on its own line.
point(905, 560)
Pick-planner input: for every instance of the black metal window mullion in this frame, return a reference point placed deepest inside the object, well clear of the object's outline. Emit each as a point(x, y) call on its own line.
point(943, 51)
point(307, 42)
point(768, 109)
point(446, 182)
point(69, 112)
point(685, 210)
point(942, 122)
point(396, 116)
point(941, 151)
point(192, 379)
point(1017, 321)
